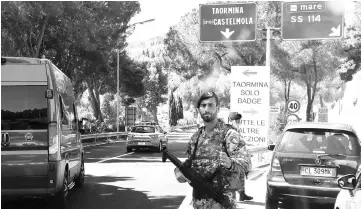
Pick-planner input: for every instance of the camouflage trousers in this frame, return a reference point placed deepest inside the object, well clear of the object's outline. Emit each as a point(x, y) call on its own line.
point(242, 182)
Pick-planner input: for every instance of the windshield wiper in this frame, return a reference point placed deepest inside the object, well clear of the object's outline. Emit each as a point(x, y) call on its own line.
point(323, 155)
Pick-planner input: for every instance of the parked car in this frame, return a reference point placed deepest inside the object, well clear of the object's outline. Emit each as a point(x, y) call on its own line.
point(146, 136)
point(41, 151)
point(350, 194)
point(308, 160)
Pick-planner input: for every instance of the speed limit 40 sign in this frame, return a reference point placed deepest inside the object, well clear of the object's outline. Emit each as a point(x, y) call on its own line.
point(293, 106)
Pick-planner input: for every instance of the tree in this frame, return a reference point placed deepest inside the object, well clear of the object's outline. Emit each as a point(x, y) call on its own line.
point(351, 46)
point(179, 108)
point(156, 87)
point(314, 61)
point(172, 111)
point(80, 38)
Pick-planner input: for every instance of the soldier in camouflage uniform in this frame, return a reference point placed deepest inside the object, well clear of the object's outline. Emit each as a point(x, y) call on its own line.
point(234, 117)
point(217, 155)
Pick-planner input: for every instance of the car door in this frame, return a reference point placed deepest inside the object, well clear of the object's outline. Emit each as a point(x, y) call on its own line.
point(355, 200)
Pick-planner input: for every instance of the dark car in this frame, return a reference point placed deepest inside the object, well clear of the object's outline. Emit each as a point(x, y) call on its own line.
point(307, 161)
point(146, 136)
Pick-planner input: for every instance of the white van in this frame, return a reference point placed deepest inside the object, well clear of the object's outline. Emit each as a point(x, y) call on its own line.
point(41, 150)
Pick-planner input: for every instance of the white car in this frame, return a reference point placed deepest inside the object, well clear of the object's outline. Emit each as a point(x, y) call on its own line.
point(146, 136)
point(350, 194)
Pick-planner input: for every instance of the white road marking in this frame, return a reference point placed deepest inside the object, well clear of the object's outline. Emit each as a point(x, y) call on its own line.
point(115, 157)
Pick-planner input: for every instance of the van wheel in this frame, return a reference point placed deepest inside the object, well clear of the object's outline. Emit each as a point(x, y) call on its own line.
point(129, 149)
point(61, 196)
point(79, 182)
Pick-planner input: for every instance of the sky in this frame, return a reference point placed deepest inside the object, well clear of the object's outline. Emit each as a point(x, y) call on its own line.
point(166, 14)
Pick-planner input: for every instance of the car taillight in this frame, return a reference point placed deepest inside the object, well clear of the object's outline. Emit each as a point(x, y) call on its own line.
point(153, 136)
point(53, 142)
point(276, 166)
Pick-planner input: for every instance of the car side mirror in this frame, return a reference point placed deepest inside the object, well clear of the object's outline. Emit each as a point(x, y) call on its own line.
point(347, 182)
point(271, 147)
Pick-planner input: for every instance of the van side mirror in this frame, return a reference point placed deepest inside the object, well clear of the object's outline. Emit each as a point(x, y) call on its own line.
point(271, 147)
point(347, 182)
point(49, 94)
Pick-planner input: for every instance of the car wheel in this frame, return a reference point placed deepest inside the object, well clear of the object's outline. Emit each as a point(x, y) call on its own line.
point(61, 196)
point(271, 203)
point(79, 182)
point(129, 149)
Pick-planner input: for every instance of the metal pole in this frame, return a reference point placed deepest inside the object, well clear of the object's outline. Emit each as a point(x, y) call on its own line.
point(268, 62)
point(117, 93)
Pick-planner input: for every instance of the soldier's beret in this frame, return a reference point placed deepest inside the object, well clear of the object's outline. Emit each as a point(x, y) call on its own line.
point(207, 95)
point(234, 116)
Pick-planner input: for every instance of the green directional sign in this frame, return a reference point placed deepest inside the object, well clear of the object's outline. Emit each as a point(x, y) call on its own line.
point(227, 22)
point(312, 20)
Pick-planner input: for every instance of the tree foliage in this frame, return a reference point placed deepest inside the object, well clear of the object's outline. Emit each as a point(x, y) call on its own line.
point(79, 37)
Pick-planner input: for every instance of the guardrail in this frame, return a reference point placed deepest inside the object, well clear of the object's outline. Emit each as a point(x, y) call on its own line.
point(184, 127)
point(107, 136)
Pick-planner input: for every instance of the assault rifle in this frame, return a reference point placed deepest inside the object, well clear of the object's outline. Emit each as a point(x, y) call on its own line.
point(196, 181)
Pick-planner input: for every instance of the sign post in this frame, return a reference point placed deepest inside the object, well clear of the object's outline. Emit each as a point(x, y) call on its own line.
point(227, 22)
point(312, 20)
point(250, 90)
point(130, 117)
point(323, 114)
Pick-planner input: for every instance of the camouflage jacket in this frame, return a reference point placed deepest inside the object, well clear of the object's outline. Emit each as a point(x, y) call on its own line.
point(206, 159)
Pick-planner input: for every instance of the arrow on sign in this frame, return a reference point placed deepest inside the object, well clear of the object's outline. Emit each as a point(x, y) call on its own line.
point(252, 111)
point(226, 33)
point(249, 73)
point(336, 31)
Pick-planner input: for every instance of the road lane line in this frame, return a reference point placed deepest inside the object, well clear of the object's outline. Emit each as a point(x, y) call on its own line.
point(115, 157)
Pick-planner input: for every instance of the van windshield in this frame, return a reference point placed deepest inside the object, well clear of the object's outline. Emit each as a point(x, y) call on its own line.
point(23, 107)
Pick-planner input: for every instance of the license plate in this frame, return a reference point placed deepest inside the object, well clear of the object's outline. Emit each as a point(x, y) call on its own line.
point(317, 171)
point(141, 143)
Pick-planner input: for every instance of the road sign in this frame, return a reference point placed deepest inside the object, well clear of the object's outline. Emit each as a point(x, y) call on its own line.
point(293, 106)
point(323, 114)
point(250, 90)
point(292, 118)
point(312, 20)
point(227, 22)
point(275, 109)
point(130, 116)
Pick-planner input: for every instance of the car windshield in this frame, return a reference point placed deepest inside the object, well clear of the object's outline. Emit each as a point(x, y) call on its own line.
point(319, 142)
point(143, 129)
point(23, 107)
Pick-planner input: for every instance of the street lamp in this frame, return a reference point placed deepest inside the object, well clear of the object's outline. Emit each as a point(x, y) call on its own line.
point(142, 22)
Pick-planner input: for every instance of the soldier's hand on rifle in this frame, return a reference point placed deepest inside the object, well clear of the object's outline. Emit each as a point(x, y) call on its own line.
point(225, 160)
point(180, 177)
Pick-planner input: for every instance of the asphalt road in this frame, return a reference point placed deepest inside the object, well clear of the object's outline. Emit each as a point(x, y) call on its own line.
point(119, 180)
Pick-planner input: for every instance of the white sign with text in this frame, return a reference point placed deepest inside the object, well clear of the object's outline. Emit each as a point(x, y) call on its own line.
point(250, 96)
